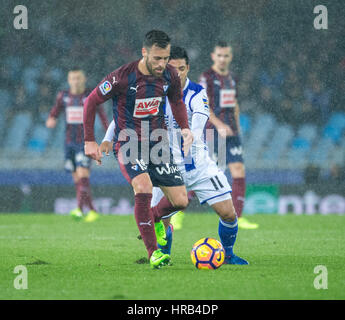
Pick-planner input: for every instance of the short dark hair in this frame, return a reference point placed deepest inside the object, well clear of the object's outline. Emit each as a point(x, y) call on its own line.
point(75, 68)
point(222, 44)
point(179, 53)
point(156, 37)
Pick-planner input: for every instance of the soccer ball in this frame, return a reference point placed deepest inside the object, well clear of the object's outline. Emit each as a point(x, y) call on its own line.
point(207, 253)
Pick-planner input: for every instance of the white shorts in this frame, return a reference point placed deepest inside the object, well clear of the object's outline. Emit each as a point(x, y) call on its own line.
point(208, 182)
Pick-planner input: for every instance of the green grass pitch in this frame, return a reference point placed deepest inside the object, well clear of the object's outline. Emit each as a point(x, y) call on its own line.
point(75, 260)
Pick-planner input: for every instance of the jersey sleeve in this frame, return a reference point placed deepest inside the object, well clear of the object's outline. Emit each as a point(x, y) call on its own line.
point(235, 85)
point(109, 136)
point(203, 81)
point(200, 104)
point(110, 86)
point(58, 106)
point(175, 91)
point(206, 82)
point(103, 116)
point(178, 107)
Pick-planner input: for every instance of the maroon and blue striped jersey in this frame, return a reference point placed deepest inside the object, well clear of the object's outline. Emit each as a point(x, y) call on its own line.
point(222, 96)
point(72, 106)
point(138, 101)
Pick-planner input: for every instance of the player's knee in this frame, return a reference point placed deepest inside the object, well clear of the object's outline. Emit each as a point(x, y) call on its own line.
point(82, 172)
point(180, 202)
point(237, 170)
point(143, 188)
point(226, 211)
point(142, 184)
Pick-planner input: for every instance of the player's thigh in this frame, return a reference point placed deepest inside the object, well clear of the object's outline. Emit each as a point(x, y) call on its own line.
point(82, 172)
point(70, 165)
point(225, 209)
point(169, 179)
point(234, 151)
point(142, 183)
point(237, 169)
point(134, 170)
point(75, 177)
point(177, 195)
point(82, 163)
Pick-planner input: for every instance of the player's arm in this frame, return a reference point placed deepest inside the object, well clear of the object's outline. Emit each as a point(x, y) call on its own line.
point(201, 113)
point(103, 117)
point(107, 142)
point(55, 111)
point(237, 116)
point(103, 92)
point(179, 111)
point(223, 129)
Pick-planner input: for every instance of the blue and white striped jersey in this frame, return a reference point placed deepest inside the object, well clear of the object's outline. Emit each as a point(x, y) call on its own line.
point(196, 101)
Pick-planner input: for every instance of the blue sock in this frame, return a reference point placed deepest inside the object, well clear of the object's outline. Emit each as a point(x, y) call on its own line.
point(227, 233)
point(169, 237)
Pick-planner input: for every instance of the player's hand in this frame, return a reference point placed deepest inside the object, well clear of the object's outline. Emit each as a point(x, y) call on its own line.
point(187, 140)
point(93, 151)
point(224, 130)
point(106, 146)
point(51, 123)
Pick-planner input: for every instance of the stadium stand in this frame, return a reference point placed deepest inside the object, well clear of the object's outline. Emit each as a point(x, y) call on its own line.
point(18, 132)
point(294, 118)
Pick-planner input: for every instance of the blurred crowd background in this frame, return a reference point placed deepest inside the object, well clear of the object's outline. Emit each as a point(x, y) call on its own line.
point(290, 75)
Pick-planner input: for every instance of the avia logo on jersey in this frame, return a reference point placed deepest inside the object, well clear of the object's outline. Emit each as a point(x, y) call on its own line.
point(227, 98)
point(146, 107)
point(105, 87)
point(74, 115)
point(236, 151)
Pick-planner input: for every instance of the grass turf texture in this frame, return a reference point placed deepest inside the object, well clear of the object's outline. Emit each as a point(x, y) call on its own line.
point(75, 260)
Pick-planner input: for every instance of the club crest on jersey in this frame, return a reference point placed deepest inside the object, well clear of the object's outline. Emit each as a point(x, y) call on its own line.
point(165, 87)
point(105, 87)
point(146, 107)
point(66, 100)
point(205, 101)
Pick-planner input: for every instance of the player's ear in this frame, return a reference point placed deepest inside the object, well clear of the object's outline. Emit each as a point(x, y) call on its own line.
point(144, 52)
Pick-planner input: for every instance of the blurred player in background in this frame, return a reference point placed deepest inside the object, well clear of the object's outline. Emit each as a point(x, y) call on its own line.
point(138, 90)
point(71, 103)
point(224, 118)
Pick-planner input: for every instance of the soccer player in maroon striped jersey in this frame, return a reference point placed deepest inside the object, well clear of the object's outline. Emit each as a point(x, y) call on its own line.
point(71, 102)
point(138, 90)
point(221, 89)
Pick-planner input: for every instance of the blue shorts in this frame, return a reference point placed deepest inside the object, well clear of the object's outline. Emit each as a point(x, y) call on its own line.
point(75, 157)
point(233, 148)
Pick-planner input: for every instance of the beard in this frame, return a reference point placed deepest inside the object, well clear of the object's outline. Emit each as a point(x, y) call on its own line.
point(152, 71)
